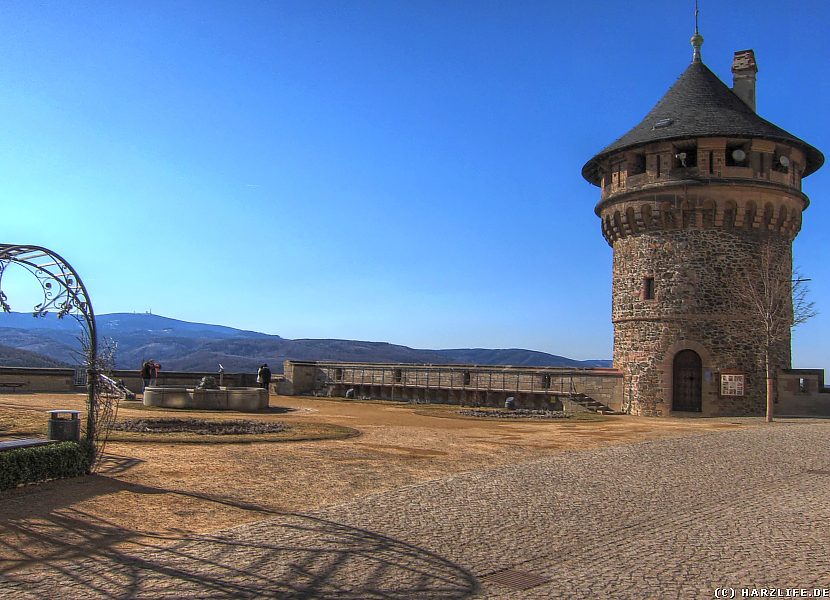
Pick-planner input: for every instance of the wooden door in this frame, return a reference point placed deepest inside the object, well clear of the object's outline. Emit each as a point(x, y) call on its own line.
point(688, 372)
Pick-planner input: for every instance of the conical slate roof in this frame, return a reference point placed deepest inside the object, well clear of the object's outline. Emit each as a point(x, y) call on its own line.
point(701, 105)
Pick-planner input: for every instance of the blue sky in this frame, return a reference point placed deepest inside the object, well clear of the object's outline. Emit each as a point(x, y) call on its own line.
point(392, 171)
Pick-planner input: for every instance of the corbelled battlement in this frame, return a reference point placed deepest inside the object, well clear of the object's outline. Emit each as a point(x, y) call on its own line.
point(719, 205)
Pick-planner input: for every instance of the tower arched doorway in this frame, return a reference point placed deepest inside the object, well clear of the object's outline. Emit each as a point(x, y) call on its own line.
point(687, 378)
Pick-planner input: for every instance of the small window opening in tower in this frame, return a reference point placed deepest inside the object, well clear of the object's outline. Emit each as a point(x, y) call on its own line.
point(685, 157)
point(781, 163)
point(802, 385)
point(636, 164)
point(546, 381)
point(657, 165)
point(338, 374)
point(711, 162)
point(736, 155)
point(466, 378)
point(398, 375)
point(648, 288)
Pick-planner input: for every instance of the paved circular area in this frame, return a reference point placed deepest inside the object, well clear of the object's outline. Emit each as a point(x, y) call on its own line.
point(679, 518)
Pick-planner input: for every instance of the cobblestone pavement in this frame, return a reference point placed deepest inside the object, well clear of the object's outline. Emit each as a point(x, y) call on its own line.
point(680, 518)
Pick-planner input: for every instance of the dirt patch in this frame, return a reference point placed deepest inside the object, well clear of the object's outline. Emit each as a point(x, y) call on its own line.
point(158, 490)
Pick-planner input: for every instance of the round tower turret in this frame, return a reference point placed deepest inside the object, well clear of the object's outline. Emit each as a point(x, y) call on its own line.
point(693, 198)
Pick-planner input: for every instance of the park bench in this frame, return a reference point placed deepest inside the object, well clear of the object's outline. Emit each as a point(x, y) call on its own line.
point(24, 443)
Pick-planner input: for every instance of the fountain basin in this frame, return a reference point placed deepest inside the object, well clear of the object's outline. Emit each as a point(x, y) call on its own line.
point(243, 399)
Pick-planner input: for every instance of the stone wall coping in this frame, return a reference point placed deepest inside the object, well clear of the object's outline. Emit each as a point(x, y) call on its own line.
point(463, 367)
point(69, 371)
point(53, 371)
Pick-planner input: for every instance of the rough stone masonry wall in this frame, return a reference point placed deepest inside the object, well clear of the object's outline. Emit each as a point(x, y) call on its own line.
point(696, 306)
point(452, 383)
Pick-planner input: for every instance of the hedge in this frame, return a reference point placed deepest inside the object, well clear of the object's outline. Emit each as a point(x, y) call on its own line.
point(39, 463)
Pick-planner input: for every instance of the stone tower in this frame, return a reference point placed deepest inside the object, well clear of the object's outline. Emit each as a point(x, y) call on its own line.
point(692, 199)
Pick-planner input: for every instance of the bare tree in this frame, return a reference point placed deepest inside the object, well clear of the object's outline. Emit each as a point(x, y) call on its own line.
point(775, 298)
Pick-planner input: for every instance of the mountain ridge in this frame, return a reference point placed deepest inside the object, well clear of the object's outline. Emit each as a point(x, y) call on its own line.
point(186, 346)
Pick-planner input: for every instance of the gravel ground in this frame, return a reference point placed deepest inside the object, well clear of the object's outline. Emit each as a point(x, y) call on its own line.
point(675, 518)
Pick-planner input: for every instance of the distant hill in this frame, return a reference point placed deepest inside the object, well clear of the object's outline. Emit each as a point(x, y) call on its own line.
point(122, 323)
point(184, 346)
point(15, 357)
point(517, 358)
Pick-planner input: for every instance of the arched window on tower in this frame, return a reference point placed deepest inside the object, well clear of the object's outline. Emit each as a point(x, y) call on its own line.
point(782, 217)
point(688, 212)
point(749, 215)
point(795, 221)
point(667, 216)
point(708, 213)
point(729, 209)
point(769, 214)
point(645, 212)
point(631, 221)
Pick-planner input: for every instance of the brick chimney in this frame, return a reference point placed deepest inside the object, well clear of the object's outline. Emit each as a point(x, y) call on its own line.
point(743, 76)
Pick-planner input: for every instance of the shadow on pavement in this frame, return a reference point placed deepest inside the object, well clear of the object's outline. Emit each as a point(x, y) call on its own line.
point(285, 555)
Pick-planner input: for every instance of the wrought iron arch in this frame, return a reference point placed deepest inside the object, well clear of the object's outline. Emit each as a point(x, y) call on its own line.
point(65, 294)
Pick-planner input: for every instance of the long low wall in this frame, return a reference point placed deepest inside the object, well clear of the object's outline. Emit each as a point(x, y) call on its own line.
point(453, 384)
point(29, 379)
point(39, 380)
point(801, 393)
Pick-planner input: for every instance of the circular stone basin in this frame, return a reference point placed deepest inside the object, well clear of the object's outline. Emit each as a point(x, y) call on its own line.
point(244, 399)
point(198, 426)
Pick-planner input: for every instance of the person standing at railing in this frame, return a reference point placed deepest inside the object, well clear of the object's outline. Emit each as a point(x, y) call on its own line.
point(146, 373)
point(155, 367)
point(263, 376)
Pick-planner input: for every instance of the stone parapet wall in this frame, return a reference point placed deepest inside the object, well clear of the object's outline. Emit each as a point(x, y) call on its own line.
point(801, 392)
point(64, 380)
point(488, 385)
point(38, 380)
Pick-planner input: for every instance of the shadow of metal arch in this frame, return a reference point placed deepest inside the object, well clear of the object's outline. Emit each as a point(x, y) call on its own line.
point(65, 294)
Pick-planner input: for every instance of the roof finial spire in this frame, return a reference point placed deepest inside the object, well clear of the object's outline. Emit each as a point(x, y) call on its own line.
point(697, 39)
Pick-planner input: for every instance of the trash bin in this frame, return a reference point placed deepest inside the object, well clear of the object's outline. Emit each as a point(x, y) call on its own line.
point(64, 426)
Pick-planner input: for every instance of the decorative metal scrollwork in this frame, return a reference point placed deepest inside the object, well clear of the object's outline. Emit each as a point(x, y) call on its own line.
point(64, 294)
point(62, 290)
